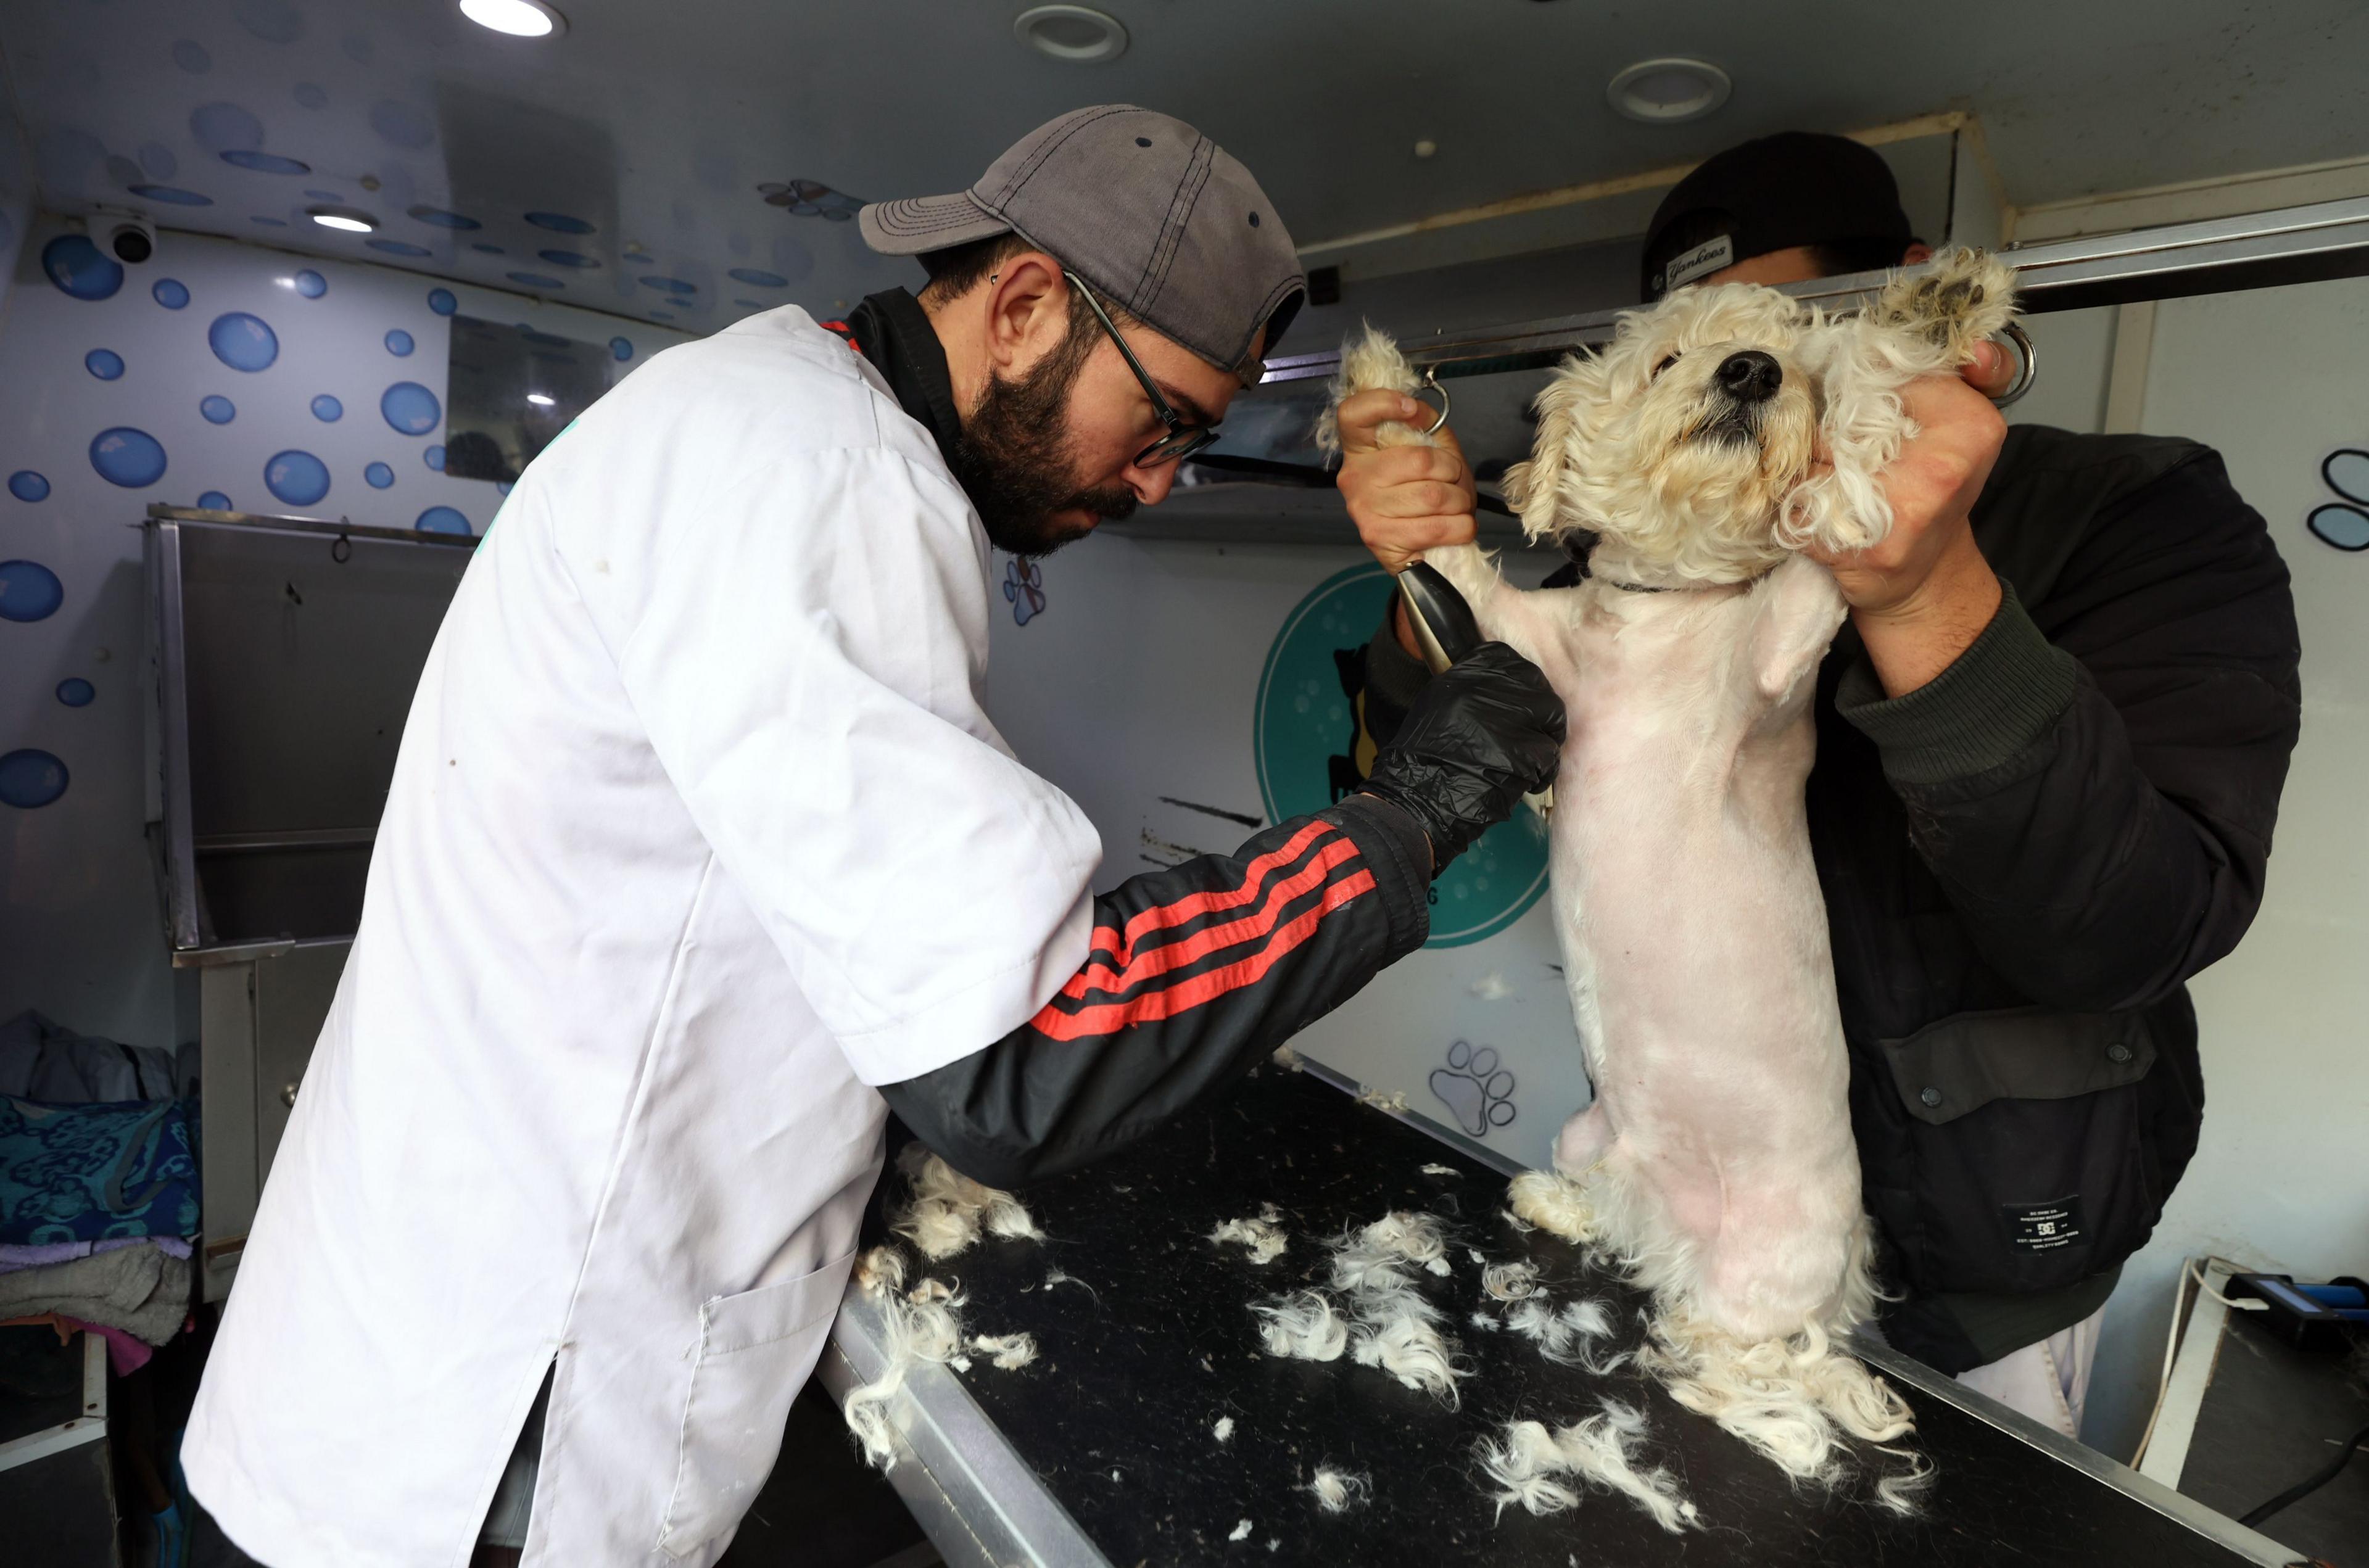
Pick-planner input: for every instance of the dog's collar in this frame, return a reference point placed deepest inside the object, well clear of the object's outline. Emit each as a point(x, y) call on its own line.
point(1674, 587)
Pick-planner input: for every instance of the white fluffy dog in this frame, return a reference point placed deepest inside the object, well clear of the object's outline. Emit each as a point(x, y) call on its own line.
point(1717, 436)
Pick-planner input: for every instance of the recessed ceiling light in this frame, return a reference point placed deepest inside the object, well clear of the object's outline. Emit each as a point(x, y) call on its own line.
point(520, 19)
point(1077, 34)
point(538, 399)
point(345, 220)
point(1665, 92)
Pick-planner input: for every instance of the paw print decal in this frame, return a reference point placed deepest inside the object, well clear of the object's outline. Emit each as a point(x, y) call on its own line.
point(1024, 584)
point(2345, 523)
point(1475, 1088)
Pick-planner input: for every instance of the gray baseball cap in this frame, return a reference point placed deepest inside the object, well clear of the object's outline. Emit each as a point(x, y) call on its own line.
point(1150, 211)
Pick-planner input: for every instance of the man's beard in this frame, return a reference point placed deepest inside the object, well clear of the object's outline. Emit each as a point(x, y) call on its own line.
point(1009, 459)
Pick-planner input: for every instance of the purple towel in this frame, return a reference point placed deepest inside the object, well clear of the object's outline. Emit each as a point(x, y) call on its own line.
point(14, 1257)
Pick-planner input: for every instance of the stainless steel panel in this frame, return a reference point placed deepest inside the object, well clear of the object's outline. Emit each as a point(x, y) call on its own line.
point(292, 994)
point(977, 1500)
point(233, 1180)
point(287, 651)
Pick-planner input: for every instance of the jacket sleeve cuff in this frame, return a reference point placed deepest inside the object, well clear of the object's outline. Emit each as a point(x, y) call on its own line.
point(1997, 698)
point(1400, 856)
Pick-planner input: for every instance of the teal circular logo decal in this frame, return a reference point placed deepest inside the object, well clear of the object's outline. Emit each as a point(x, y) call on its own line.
point(1307, 742)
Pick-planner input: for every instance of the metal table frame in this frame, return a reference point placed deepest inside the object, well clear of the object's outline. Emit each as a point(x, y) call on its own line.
point(983, 1507)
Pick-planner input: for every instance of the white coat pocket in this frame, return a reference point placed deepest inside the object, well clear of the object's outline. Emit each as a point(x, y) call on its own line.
point(755, 1351)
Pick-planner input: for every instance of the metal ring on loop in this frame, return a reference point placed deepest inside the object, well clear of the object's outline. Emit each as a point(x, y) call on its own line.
point(1431, 380)
point(2027, 368)
point(341, 549)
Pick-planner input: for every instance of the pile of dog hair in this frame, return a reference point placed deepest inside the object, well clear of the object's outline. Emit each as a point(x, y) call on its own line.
point(1374, 1309)
point(946, 1212)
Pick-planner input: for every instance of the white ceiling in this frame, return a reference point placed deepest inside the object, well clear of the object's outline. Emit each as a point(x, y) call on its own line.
point(655, 123)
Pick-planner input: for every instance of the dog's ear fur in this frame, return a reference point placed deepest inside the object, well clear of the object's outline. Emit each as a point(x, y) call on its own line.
point(1538, 490)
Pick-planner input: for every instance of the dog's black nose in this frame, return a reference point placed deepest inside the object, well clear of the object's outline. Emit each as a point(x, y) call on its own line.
point(1750, 376)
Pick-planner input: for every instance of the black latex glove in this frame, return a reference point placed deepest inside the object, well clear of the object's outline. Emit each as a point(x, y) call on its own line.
point(1478, 738)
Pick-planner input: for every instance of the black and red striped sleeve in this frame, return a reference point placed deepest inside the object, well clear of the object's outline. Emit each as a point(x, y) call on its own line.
point(1196, 972)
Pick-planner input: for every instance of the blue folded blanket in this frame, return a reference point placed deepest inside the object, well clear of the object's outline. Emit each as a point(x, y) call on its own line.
point(85, 1172)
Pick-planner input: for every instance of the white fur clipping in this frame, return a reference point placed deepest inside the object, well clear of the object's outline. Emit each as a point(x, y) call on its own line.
point(1302, 1326)
point(1510, 1281)
point(1336, 1489)
point(1264, 1240)
point(882, 1268)
point(914, 1332)
point(1528, 1464)
point(1390, 1100)
point(1224, 1429)
point(1011, 1351)
point(1242, 1531)
point(1440, 1170)
point(948, 1209)
point(1285, 1056)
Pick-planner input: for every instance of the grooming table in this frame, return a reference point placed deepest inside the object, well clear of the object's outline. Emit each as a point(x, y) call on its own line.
point(1102, 1452)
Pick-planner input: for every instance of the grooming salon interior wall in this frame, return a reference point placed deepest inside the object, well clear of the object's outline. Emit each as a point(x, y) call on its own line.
point(1183, 691)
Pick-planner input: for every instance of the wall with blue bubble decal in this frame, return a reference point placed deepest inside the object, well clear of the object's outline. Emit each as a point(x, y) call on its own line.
point(220, 375)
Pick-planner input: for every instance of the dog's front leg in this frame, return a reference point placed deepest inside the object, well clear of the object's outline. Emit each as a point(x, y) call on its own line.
point(1799, 609)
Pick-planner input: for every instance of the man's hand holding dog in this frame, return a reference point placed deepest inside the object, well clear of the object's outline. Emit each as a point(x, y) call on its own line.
point(1923, 596)
point(1404, 499)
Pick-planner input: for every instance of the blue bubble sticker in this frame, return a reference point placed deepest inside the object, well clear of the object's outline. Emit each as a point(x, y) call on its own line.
point(226, 127)
point(80, 270)
point(29, 591)
point(263, 163)
point(762, 280)
point(378, 475)
point(309, 284)
point(171, 292)
point(402, 123)
point(214, 501)
point(242, 341)
point(410, 408)
point(296, 478)
point(574, 259)
point(328, 409)
point(27, 485)
point(129, 457)
point(30, 778)
point(559, 222)
point(434, 458)
point(670, 285)
point(438, 218)
point(76, 693)
point(171, 195)
point(442, 519)
point(2345, 528)
point(483, 248)
point(621, 348)
point(441, 302)
point(218, 409)
point(399, 343)
point(104, 363)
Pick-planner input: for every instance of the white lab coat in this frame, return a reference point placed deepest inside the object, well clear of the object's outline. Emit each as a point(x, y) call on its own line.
point(697, 831)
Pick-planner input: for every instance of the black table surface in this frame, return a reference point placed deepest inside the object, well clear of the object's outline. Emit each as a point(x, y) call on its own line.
point(1155, 1342)
point(2271, 1417)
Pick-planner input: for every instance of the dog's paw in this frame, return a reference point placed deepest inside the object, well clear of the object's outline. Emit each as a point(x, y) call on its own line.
point(1475, 1088)
point(1370, 361)
point(1964, 297)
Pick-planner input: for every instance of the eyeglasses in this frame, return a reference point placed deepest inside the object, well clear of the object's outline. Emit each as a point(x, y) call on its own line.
point(1183, 438)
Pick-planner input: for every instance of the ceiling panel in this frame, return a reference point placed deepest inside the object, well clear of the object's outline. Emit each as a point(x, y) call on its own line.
point(619, 165)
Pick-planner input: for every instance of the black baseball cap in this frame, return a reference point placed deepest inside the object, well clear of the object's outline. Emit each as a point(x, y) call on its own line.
point(1795, 188)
